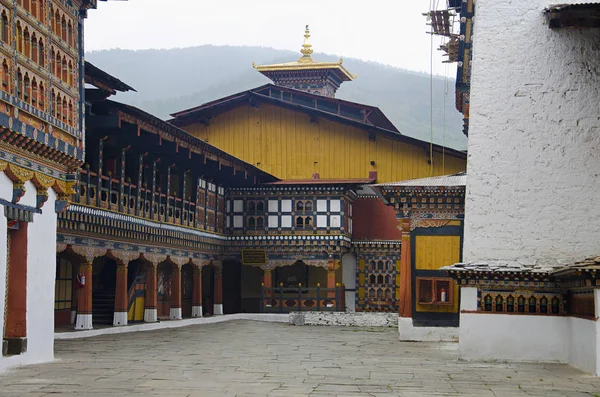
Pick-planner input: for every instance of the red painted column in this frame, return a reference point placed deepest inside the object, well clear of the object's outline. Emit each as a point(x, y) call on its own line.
point(175, 313)
point(15, 324)
point(121, 297)
point(218, 305)
point(331, 266)
point(84, 301)
point(150, 314)
point(197, 292)
point(405, 301)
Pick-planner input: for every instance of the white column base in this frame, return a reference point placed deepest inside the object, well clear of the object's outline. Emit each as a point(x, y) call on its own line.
point(83, 322)
point(119, 319)
point(218, 309)
point(175, 314)
point(73, 317)
point(150, 315)
point(408, 332)
point(196, 311)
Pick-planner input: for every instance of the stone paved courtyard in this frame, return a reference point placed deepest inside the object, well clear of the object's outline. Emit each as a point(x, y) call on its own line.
point(245, 358)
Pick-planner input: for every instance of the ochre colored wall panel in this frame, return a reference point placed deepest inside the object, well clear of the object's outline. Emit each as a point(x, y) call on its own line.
point(287, 144)
point(432, 253)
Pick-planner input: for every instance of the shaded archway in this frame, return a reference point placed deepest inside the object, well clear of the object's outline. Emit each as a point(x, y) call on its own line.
point(232, 286)
point(104, 279)
point(252, 277)
point(164, 289)
point(187, 289)
point(208, 290)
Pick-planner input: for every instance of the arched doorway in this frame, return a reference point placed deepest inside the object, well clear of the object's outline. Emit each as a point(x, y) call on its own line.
point(208, 290)
point(164, 290)
point(187, 289)
point(104, 284)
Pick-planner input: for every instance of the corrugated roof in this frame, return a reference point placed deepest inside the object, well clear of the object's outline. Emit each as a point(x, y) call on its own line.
point(457, 180)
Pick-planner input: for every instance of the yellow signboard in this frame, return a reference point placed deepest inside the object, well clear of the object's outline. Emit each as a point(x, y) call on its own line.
point(254, 257)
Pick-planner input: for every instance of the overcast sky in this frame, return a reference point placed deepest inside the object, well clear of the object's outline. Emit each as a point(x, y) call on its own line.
point(392, 32)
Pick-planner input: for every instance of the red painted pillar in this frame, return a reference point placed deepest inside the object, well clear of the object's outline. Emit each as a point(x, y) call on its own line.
point(15, 324)
point(331, 266)
point(218, 305)
point(84, 301)
point(197, 292)
point(150, 314)
point(405, 300)
point(121, 297)
point(175, 312)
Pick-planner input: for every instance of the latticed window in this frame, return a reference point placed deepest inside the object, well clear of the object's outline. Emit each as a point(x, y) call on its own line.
point(521, 304)
point(555, 305)
point(487, 303)
point(544, 305)
point(532, 305)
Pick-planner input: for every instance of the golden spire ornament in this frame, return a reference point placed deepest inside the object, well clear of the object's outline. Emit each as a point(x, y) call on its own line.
point(306, 47)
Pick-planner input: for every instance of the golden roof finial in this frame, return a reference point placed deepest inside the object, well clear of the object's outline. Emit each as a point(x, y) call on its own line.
point(306, 48)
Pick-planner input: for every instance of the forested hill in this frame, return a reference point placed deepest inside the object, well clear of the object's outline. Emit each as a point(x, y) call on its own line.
point(176, 79)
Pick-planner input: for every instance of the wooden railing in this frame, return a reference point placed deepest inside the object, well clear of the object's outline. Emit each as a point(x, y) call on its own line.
point(127, 198)
point(284, 299)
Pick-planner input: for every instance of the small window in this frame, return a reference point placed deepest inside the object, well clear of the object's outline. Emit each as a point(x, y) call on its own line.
point(555, 305)
point(487, 303)
point(251, 223)
point(372, 279)
point(499, 303)
point(532, 305)
point(510, 304)
point(299, 222)
point(307, 222)
point(299, 206)
point(380, 279)
point(380, 265)
point(260, 222)
point(251, 207)
point(521, 304)
point(308, 206)
point(260, 207)
point(544, 305)
point(436, 291)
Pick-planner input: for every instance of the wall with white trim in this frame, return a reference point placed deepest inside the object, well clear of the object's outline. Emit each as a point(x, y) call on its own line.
point(41, 272)
point(534, 137)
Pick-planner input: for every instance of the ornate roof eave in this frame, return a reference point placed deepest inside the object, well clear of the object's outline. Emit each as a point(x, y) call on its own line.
point(303, 66)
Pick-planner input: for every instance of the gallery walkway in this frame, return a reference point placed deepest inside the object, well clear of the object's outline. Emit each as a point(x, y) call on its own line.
point(246, 358)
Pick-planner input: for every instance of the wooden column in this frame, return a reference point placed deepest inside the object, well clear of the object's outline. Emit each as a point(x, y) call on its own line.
point(168, 193)
point(122, 178)
point(121, 298)
point(175, 313)
point(197, 292)
point(154, 163)
point(218, 304)
point(15, 325)
point(268, 282)
point(150, 315)
point(84, 301)
point(181, 220)
point(331, 266)
point(100, 166)
point(140, 183)
point(405, 301)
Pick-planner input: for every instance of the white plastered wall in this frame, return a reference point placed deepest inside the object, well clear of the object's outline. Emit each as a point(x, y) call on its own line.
point(41, 269)
point(534, 137)
point(515, 337)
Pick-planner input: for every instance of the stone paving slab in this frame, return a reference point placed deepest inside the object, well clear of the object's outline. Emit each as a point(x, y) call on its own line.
point(247, 358)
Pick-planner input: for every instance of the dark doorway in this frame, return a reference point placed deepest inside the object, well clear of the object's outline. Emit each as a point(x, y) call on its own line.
point(104, 285)
point(232, 287)
point(208, 290)
point(164, 279)
point(187, 289)
point(252, 277)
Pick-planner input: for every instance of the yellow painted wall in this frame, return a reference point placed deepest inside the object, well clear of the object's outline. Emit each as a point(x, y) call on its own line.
point(284, 142)
point(432, 253)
